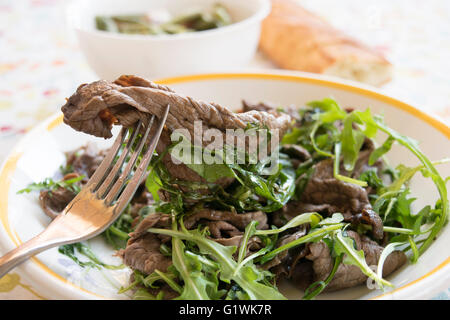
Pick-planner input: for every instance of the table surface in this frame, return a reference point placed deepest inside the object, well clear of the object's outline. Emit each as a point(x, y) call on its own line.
point(41, 64)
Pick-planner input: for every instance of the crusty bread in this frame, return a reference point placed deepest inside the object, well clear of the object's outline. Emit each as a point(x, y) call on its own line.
point(296, 39)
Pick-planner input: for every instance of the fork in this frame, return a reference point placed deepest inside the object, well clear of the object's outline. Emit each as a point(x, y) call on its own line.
point(101, 201)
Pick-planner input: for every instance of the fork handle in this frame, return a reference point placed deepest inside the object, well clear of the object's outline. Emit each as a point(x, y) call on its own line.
point(43, 241)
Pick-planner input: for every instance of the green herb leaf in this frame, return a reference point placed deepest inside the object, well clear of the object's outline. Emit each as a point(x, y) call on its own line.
point(345, 246)
point(153, 184)
point(311, 218)
point(314, 235)
point(351, 141)
point(391, 247)
point(50, 184)
point(371, 177)
point(317, 287)
point(379, 152)
point(195, 282)
point(337, 156)
point(332, 110)
point(70, 250)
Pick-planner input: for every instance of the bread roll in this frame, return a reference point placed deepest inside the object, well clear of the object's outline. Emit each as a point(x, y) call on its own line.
point(297, 39)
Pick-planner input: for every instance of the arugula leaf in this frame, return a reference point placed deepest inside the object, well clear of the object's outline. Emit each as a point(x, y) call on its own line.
point(345, 246)
point(143, 294)
point(371, 177)
point(334, 219)
point(402, 212)
point(431, 171)
point(391, 247)
point(196, 284)
point(153, 184)
point(370, 127)
point(172, 284)
point(117, 234)
point(150, 281)
point(379, 152)
point(50, 184)
point(332, 110)
point(312, 218)
point(313, 141)
point(337, 156)
point(250, 230)
point(292, 136)
point(317, 287)
point(314, 235)
point(212, 172)
point(278, 189)
point(351, 141)
point(405, 174)
point(70, 250)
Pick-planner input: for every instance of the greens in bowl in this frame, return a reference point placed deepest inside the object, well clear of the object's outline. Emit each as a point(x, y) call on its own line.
point(322, 209)
point(160, 22)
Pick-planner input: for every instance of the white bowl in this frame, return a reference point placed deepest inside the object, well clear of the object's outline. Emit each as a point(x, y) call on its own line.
point(41, 152)
point(113, 54)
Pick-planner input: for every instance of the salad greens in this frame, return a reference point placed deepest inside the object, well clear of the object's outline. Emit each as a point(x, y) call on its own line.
point(93, 261)
point(205, 269)
point(155, 23)
point(250, 279)
point(49, 184)
point(319, 134)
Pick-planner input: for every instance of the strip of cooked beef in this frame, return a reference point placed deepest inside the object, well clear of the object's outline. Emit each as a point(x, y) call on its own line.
point(346, 275)
point(271, 108)
point(239, 220)
point(323, 188)
point(143, 249)
point(370, 217)
point(222, 229)
point(95, 107)
point(54, 201)
point(260, 106)
point(156, 219)
point(296, 153)
point(85, 160)
point(143, 254)
point(302, 275)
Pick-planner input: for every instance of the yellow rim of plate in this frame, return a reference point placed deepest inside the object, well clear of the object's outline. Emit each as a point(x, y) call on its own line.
point(11, 162)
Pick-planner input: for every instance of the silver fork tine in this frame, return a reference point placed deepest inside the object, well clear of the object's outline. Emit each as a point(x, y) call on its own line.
point(115, 171)
point(120, 182)
point(135, 181)
point(102, 169)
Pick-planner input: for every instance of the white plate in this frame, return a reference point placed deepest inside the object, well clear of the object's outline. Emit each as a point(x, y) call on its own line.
point(41, 152)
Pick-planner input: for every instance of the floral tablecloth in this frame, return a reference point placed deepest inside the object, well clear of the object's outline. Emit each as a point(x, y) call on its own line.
point(41, 64)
